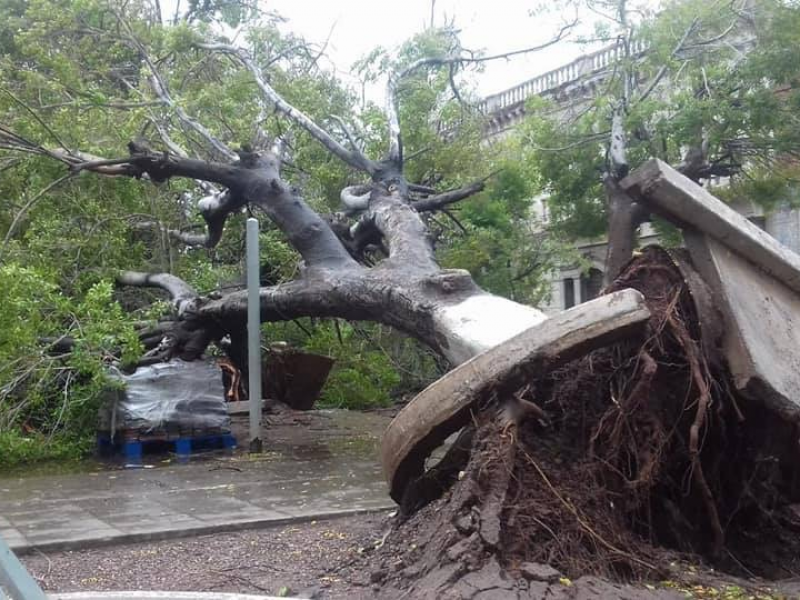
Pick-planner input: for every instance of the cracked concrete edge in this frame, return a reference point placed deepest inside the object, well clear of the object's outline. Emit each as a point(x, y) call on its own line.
point(161, 596)
point(192, 531)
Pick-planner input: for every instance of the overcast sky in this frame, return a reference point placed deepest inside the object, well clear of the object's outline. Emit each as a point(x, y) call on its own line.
point(357, 26)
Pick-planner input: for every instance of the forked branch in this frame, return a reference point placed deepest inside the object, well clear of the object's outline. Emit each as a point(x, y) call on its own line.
point(353, 157)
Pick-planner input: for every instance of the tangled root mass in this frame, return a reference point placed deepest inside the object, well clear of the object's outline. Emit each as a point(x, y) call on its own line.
point(618, 464)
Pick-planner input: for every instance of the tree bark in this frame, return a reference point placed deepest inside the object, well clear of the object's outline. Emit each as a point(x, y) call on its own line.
point(407, 290)
point(443, 309)
point(624, 217)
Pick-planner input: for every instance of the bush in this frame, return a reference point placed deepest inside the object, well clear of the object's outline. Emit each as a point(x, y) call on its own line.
point(18, 448)
point(49, 404)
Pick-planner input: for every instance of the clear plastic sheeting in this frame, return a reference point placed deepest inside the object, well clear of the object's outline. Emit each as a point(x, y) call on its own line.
point(173, 396)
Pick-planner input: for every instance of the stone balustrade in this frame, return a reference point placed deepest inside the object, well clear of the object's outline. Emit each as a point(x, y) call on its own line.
point(508, 105)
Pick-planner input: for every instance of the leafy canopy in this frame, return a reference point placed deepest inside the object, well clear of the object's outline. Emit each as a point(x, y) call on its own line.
point(75, 74)
point(729, 87)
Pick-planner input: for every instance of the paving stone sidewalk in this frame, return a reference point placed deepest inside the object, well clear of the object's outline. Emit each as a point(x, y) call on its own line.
point(321, 468)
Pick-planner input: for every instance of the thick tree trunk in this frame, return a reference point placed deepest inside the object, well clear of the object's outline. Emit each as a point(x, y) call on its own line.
point(443, 309)
point(479, 322)
point(624, 217)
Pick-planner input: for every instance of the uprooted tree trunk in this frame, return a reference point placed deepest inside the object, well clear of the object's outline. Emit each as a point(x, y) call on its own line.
point(624, 218)
point(626, 214)
point(444, 309)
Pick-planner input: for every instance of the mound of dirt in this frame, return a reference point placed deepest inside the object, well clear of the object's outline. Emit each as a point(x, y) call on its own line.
point(632, 458)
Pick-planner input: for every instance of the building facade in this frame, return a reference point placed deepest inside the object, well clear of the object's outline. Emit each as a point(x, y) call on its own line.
point(572, 87)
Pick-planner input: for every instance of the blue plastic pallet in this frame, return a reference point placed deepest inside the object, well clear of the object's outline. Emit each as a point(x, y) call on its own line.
point(184, 447)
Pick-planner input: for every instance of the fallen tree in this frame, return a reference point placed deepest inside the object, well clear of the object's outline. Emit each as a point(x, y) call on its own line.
point(677, 444)
point(372, 261)
point(630, 462)
point(593, 466)
point(406, 289)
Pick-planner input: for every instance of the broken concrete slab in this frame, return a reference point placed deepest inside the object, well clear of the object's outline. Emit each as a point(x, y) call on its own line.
point(761, 333)
point(666, 192)
point(443, 407)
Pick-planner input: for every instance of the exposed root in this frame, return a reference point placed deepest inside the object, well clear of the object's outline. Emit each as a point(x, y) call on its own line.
point(616, 465)
point(700, 377)
point(496, 477)
point(582, 521)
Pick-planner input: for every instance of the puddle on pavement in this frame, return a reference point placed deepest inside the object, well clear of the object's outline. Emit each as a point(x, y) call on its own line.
point(305, 436)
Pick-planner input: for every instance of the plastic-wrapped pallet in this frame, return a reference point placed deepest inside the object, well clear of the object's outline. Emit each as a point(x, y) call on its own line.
point(171, 396)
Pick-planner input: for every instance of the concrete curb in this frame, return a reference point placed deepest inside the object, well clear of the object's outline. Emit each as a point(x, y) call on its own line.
point(190, 531)
point(160, 596)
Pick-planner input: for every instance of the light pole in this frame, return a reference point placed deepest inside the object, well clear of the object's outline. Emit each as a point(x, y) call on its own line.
point(254, 334)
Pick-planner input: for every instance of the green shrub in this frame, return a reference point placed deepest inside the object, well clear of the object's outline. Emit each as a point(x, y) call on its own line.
point(49, 404)
point(18, 449)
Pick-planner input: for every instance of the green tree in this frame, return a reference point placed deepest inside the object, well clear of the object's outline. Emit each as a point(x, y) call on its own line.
point(714, 93)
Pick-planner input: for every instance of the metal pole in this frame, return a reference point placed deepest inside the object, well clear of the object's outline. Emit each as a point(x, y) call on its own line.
point(15, 581)
point(254, 335)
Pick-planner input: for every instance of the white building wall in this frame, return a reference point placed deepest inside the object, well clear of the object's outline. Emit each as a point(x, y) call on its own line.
point(784, 225)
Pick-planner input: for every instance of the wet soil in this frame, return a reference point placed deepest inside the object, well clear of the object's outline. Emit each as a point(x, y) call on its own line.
point(337, 560)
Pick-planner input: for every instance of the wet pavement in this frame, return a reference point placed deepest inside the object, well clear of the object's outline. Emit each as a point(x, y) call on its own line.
point(315, 465)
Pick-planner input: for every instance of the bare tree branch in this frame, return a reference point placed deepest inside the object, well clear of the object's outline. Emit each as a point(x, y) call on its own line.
point(403, 230)
point(346, 130)
point(35, 115)
point(596, 137)
point(27, 206)
point(113, 105)
point(160, 89)
point(355, 198)
point(451, 197)
point(395, 154)
point(195, 240)
point(463, 59)
point(10, 140)
point(716, 38)
point(663, 69)
point(354, 157)
point(252, 179)
point(183, 295)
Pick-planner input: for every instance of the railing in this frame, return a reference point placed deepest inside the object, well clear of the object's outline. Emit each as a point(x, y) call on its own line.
point(585, 65)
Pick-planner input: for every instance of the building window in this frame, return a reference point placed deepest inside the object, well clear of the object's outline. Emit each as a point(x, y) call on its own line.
point(569, 292)
point(591, 284)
